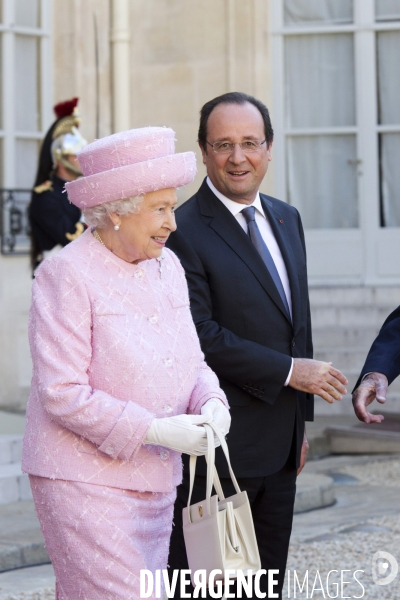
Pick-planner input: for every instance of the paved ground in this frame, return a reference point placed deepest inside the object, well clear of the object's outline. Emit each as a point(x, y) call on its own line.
point(32, 583)
point(344, 537)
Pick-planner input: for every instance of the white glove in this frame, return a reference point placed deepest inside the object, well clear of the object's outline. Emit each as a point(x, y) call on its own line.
point(180, 433)
point(218, 413)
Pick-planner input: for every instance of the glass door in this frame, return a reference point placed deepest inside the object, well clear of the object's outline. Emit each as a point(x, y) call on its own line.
point(337, 121)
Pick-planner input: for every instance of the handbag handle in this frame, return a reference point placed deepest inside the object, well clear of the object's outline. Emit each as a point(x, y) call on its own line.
point(210, 458)
point(225, 450)
point(212, 474)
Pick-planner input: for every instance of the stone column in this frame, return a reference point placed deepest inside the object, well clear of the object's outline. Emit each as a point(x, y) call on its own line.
point(121, 73)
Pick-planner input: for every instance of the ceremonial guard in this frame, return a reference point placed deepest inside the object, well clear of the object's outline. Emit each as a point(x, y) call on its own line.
point(54, 221)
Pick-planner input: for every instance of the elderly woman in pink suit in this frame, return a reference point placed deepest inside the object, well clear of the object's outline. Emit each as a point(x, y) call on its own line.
point(120, 387)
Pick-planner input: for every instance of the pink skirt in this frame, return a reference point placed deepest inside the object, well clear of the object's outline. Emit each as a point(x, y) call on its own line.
point(99, 538)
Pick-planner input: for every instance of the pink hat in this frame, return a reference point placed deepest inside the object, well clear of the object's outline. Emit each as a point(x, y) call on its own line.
point(128, 164)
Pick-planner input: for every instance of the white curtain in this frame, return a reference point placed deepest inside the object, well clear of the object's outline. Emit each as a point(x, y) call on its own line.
point(26, 157)
point(390, 179)
point(27, 83)
point(319, 80)
point(387, 10)
point(322, 180)
point(27, 12)
point(322, 169)
point(308, 12)
point(388, 52)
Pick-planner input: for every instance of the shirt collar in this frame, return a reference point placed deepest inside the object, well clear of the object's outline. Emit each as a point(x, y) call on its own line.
point(235, 207)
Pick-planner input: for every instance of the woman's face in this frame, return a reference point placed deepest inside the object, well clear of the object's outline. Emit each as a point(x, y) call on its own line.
point(143, 235)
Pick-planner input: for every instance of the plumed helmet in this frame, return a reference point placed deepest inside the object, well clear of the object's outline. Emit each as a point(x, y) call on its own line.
point(56, 144)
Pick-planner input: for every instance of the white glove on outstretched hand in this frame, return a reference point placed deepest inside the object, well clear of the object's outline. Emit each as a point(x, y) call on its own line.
point(218, 413)
point(182, 433)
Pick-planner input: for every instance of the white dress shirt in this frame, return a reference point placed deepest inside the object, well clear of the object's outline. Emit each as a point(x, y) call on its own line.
point(268, 236)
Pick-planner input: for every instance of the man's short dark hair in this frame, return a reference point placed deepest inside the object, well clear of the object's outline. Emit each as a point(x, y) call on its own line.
point(233, 98)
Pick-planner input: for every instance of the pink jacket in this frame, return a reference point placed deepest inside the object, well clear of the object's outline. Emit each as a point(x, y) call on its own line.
point(113, 346)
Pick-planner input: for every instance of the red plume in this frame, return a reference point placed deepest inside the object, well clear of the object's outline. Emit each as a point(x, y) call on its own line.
point(64, 109)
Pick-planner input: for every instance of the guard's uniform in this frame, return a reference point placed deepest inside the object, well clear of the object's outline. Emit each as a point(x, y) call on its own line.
point(54, 220)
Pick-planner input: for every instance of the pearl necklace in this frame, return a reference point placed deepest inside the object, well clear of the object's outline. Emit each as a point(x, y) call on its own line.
point(159, 259)
point(97, 236)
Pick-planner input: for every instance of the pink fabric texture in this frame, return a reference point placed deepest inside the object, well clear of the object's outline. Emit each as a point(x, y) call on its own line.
point(99, 538)
point(129, 164)
point(113, 346)
point(121, 149)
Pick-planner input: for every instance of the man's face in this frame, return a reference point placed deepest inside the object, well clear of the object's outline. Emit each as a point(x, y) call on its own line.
point(237, 175)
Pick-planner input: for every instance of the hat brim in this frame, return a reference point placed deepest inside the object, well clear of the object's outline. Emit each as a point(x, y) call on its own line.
point(170, 171)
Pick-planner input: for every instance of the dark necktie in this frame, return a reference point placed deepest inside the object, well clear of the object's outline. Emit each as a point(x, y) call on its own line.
point(262, 249)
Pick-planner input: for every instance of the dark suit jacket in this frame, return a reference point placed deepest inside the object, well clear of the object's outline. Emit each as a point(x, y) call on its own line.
point(384, 355)
point(245, 333)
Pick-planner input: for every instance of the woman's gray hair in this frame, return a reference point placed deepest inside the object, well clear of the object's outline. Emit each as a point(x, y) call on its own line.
point(97, 216)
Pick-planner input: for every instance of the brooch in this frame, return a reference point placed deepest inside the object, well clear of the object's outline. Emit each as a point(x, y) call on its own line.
point(160, 264)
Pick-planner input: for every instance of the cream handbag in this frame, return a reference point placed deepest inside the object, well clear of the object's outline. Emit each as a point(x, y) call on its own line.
point(219, 532)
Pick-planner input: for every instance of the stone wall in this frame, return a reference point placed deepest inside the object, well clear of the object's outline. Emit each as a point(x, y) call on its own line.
point(74, 61)
point(15, 362)
point(185, 53)
point(182, 54)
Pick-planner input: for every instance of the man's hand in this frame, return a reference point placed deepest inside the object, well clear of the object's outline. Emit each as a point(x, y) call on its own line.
point(303, 457)
point(317, 377)
point(374, 385)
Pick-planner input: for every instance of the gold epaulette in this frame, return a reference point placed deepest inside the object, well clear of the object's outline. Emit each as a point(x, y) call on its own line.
point(79, 229)
point(43, 187)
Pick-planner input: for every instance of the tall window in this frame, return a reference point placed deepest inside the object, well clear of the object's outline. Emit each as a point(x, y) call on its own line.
point(336, 85)
point(25, 94)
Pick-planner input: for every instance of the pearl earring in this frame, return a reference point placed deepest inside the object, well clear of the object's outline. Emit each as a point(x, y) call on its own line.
point(116, 227)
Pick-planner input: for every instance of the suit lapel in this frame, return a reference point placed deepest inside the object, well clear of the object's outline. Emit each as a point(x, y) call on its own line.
point(282, 237)
point(226, 226)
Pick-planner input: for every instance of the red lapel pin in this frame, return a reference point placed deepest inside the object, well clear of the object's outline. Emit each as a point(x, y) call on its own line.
point(280, 220)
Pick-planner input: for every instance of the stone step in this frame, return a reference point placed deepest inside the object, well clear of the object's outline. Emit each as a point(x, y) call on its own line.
point(14, 485)
point(30, 583)
point(21, 540)
point(323, 409)
point(345, 359)
point(356, 338)
point(12, 422)
point(318, 445)
point(10, 449)
point(352, 374)
point(386, 297)
point(345, 434)
point(313, 491)
point(357, 440)
point(350, 363)
point(351, 316)
point(345, 407)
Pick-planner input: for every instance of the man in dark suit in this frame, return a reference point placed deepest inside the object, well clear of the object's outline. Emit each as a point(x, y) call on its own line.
point(245, 262)
point(381, 367)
